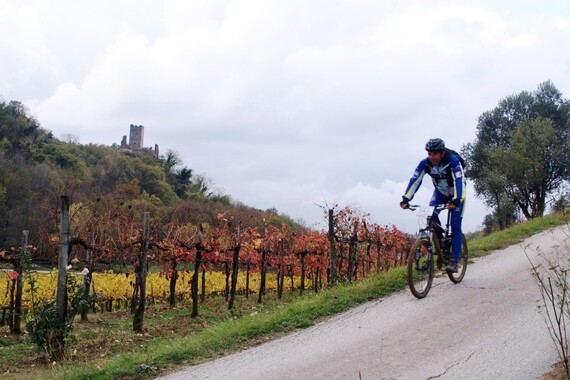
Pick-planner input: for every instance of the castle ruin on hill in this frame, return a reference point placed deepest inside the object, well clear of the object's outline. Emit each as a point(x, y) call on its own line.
point(136, 140)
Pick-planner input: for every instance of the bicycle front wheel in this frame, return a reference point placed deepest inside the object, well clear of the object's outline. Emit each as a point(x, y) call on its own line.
point(462, 264)
point(420, 268)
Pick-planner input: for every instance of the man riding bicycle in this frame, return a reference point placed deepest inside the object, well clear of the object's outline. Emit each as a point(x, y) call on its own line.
point(446, 172)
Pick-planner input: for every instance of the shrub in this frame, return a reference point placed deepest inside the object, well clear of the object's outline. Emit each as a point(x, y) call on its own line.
point(45, 331)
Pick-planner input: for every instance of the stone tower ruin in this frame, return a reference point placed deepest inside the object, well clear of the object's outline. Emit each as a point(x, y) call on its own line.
point(136, 140)
point(136, 137)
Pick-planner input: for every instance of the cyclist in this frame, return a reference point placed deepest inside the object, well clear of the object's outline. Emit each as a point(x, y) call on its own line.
point(446, 172)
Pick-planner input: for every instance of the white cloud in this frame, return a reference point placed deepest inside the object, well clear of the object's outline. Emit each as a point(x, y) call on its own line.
point(283, 103)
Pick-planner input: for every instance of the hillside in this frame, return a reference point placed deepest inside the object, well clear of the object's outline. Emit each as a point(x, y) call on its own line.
point(36, 169)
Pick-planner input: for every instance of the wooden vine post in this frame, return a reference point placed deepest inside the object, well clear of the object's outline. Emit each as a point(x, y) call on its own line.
point(61, 296)
point(332, 269)
point(352, 253)
point(138, 319)
point(281, 272)
point(195, 278)
point(87, 282)
point(16, 289)
point(172, 282)
point(262, 281)
point(303, 271)
point(18, 267)
point(235, 269)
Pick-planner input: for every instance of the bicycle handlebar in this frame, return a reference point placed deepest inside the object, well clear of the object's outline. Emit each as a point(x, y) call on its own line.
point(442, 206)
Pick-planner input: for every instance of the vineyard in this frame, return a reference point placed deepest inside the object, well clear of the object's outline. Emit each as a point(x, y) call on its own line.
point(165, 261)
point(113, 291)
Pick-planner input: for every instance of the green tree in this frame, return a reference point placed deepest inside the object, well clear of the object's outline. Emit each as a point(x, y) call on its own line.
point(22, 133)
point(153, 180)
point(180, 177)
point(521, 153)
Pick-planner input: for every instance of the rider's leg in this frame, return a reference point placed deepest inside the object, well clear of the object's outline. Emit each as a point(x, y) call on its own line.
point(437, 199)
point(457, 239)
point(437, 224)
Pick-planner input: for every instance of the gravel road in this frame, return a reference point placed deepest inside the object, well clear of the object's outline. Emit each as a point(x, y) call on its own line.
point(486, 327)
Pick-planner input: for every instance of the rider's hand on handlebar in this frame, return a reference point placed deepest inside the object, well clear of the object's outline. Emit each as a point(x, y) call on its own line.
point(452, 205)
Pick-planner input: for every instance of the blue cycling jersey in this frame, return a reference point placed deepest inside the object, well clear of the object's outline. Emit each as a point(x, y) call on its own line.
point(447, 178)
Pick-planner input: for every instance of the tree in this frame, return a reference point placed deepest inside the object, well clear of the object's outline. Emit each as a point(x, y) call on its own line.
point(521, 153)
point(530, 169)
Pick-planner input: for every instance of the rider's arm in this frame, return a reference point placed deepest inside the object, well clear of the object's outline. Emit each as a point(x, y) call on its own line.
point(415, 181)
point(459, 181)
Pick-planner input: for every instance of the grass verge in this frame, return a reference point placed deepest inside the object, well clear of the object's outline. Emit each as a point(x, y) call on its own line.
point(515, 234)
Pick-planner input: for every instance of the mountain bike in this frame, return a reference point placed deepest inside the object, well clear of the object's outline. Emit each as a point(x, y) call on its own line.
point(427, 249)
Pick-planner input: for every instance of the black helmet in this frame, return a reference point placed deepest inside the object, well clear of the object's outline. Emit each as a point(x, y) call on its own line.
point(435, 145)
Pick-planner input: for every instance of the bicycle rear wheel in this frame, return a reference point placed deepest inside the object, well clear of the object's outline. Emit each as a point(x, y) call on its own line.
point(420, 268)
point(462, 264)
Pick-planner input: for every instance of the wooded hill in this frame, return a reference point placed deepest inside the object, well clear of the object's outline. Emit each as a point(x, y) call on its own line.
point(36, 169)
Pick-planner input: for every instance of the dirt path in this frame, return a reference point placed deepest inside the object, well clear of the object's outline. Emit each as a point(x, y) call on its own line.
point(486, 327)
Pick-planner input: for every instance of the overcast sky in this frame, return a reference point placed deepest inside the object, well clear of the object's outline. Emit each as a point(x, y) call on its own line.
point(287, 103)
